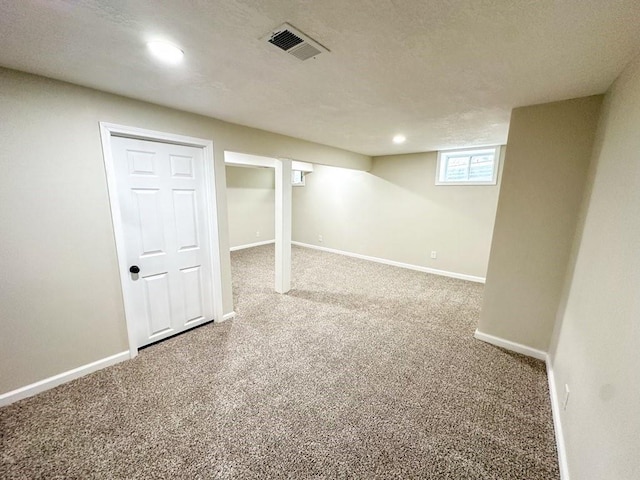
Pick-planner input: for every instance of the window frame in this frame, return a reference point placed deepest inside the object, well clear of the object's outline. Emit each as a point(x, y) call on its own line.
point(294, 183)
point(443, 157)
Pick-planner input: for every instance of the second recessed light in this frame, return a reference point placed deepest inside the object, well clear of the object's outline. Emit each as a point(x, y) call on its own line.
point(399, 139)
point(165, 51)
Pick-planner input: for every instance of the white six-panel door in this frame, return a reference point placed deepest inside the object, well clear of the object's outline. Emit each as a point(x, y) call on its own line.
point(161, 193)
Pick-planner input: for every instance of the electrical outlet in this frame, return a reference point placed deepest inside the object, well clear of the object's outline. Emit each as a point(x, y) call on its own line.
point(434, 254)
point(320, 239)
point(566, 396)
point(258, 234)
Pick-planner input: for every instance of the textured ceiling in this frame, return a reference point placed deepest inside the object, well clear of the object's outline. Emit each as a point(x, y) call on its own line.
point(444, 73)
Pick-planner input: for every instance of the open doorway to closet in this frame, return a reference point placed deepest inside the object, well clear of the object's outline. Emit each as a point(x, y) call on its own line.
point(259, 203)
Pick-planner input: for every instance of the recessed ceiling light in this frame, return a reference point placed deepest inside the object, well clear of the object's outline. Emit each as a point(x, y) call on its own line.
point(165, 51)
point(399, 139)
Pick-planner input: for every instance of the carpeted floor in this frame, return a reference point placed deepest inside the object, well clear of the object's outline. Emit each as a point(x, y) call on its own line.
point(362, 371)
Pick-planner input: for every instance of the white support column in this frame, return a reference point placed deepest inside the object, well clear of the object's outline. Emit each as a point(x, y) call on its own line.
point(283, 225)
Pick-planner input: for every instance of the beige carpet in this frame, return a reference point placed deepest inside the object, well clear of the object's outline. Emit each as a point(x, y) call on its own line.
point(363, 371)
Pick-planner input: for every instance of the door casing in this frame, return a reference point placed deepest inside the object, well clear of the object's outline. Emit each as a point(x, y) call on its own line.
point(109, 130)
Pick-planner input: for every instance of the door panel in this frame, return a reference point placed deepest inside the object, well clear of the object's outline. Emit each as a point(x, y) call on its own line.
point(181, 167)
point(141, 163)
point(186, 218)
point(192, 287)
point(158, 309)
point(150, 223)
point(161, 190)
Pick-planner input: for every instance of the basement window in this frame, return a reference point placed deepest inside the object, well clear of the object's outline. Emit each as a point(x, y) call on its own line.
point(468, 166)
point(297, 178)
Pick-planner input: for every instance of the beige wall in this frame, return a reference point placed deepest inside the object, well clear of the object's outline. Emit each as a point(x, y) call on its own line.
point(542, 185)
point(60, 298)
point(396, 212)
point(597, 345)
point(251, 205)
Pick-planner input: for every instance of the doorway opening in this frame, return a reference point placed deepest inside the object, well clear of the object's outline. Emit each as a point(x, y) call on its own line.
point(272, 173)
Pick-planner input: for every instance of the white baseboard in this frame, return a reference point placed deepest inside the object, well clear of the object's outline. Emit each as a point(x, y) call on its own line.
point(557, 424)
point(444, 273)
point(250, 245)
point(51, 382)
point(509, 345)
point(228, 316)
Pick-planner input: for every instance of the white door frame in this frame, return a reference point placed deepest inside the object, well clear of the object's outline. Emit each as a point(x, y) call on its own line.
point(109, 130)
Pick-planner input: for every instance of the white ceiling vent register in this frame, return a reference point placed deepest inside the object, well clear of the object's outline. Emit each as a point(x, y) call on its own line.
point(294, 42)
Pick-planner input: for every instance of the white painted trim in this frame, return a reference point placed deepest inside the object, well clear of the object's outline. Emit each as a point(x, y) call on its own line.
point(108, 130)
point(228, 316)
point(247, 160)
point(302, 166)
point(251, 245)
point(214, 229)
point(444, 273)
point(557, 423)
point(283, 225)
point(509, 345)
point(51, 382)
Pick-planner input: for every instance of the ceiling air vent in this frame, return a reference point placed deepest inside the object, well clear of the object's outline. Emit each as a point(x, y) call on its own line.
point(294, 42)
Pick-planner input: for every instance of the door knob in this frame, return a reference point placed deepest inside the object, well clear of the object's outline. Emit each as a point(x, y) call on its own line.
point(134, 269)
